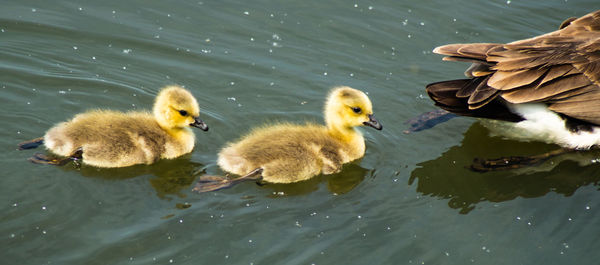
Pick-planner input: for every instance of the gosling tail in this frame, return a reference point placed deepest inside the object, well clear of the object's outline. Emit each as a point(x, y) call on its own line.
point(213, 183)
point(31, 144)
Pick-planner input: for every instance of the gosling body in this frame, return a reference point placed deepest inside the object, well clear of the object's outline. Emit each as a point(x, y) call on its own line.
point(106, 138)
point(286, 152)
point(290, 153)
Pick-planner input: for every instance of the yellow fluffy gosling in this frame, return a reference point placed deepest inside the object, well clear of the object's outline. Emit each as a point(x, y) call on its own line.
point(286, 153)
point(106, 138)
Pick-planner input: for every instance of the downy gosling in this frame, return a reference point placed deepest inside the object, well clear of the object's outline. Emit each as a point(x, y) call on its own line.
point(108, 139)
point(286, 152)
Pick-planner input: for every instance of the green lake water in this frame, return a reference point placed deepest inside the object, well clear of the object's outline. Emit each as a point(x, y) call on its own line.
point(410, 200)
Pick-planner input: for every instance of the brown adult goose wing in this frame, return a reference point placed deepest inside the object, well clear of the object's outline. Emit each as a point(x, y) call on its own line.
point(561, 69)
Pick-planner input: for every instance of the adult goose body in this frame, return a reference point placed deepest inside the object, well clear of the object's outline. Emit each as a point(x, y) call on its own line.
point(546, 88)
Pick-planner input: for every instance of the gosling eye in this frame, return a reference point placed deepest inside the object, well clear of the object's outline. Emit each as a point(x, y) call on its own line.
point(183, 113)
point(356, 110)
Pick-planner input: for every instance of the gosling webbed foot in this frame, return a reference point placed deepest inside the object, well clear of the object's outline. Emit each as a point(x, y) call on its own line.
point(514, 162)
point(31, 144)
point(48, 160)
point(208, 183)
point(212, 183)
point(39, 158)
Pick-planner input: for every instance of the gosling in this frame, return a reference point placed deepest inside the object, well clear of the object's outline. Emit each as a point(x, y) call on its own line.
point(108, 139)
point(287, 153)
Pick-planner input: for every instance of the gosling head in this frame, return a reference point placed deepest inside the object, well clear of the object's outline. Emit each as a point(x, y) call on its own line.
point(347, 107)
point(176, 107)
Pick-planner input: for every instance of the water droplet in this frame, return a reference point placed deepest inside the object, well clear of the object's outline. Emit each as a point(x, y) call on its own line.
point(75, 48)
point(246, 13)
point(33, 10)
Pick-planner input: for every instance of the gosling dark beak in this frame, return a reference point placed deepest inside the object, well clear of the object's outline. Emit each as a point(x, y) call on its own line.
point(373, 123)
point(198, 123)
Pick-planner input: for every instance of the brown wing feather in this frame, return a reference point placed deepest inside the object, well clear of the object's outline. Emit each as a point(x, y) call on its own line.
point(505, 80)
point(469, 50)
point(560, 68)
point(483, 93)
point(556, 72)
point(532, 93)
point(468, 88)
point(583, 106)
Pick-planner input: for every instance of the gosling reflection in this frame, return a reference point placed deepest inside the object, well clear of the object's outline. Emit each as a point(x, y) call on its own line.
point(448, 176)
point(170, 177)
point(339, 183)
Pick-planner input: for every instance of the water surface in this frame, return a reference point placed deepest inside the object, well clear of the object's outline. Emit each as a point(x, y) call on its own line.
point(410, 200)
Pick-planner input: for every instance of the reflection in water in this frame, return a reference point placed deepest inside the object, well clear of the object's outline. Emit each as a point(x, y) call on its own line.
point(350, 176)
point(448, 177)
point(170, 176)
